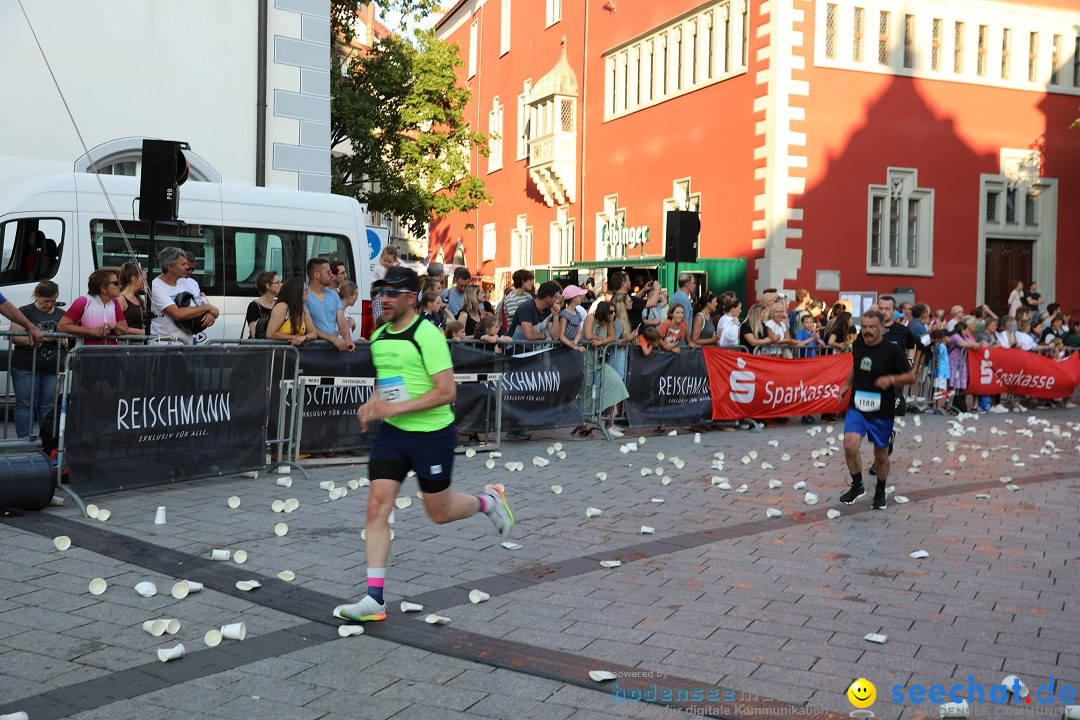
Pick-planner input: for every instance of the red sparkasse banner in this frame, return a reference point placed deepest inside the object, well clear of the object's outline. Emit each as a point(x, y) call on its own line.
point(993, 371)
point(758, 386)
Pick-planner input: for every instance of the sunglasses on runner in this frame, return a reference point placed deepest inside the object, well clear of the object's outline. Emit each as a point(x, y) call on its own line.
point(389, 291)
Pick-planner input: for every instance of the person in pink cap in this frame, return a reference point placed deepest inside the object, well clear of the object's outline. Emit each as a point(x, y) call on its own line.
point(566, 328)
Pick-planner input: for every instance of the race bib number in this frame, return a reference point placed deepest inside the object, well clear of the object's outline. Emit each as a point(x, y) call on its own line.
point(867, 401)
point(393, 389)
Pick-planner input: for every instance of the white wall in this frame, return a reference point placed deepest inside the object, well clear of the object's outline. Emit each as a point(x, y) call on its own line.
point(147, 68)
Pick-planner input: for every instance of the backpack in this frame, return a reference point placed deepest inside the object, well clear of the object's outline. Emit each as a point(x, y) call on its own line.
point(795, 321)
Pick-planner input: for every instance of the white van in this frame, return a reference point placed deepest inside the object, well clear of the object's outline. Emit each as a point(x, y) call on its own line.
point(60, 228)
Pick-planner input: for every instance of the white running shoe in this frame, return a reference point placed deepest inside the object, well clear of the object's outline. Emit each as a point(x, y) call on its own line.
point(499, 511)
point(362, 611)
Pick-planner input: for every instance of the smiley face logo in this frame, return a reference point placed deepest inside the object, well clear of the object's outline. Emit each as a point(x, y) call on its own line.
point(862, 693)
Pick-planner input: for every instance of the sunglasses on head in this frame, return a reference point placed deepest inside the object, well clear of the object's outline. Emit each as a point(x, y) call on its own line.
point(391, 291)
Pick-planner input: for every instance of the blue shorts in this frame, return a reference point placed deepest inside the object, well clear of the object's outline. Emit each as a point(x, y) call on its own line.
point(430, 454)
point(879, 430)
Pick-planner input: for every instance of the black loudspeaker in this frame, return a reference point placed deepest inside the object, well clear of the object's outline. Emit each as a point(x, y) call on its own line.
point(683, 227)
point(164, 170)
point(27, 481)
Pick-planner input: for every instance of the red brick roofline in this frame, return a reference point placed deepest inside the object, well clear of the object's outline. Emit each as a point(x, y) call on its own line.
point(448, 14)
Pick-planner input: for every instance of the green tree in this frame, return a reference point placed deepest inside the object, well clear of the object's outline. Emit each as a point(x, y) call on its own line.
point(400, 107)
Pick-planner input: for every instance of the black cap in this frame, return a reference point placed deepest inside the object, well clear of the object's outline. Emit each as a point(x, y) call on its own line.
point(399, 276)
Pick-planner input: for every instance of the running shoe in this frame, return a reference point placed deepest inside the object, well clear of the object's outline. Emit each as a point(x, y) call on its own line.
point(499, 511)
point(856, 491)
point(881, 501)
point(366, 609)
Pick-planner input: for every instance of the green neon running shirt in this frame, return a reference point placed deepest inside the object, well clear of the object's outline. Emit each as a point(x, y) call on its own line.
point(405, 362)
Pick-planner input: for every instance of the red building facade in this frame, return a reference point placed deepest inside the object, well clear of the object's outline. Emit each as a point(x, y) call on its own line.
point(849, 146)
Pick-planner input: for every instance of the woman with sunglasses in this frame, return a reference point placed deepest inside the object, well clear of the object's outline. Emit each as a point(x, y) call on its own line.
point(268, 284)
point(290, 319)
point(132, 285)
point(98, 314)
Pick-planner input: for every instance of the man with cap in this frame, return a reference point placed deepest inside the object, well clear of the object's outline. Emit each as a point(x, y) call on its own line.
point(413, 397)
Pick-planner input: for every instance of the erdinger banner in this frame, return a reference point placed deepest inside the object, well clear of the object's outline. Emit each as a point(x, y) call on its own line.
point(540, 388)
point(993, 371)
point(337, 384)
point(667, 388)
point(757, 386)
point(138, 417)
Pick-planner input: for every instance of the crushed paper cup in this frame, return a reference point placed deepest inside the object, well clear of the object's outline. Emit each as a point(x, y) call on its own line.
point(364, 482)
point(646, 530)
point(234, 502)
point(673, 433)
point(540, 461)
point(920, 554)
point(434, 619)
point(742, 488)
point(954, 709)
point(561, 454)
point(697, 438)
point(1010, 685)
point(63, 542)
point(146, 589)
point(277, 506)
point(774, 483)
point(557, 489)
point(774, 443)
point(240, 557)
point(19, 715)
point(511, 545)
point(407, 607)
point(799, 485)
point(92, 511)
point(403, 502)
point(1072, 712)
point(810, 498)
point(601, 675)
point(220, 555)
point(104, 514)
point(610, 563)
point(326, 485)
point(766, 466)
point(625, 450)
point(646, 471)
point(281, 529)
point(658, 501)
point(335, 494)
point(592, 512)
point(349, 630)
point(245, 585)
point(785, 457)
point(773, 513)
point(1012, 487)
point(286, 575)
point(173, 653)
point(982, 496)
point(724, 485)
point(901, 499)
point(832, 513)
point(820, 465)
point(876, 638)
point(284, 481)
point(98, 586)
point(478, 596)
point(56, 500)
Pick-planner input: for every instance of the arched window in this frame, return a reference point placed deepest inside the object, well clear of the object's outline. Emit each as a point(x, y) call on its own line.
point(124, 157)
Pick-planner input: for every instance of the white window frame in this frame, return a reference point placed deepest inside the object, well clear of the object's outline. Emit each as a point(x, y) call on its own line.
point(521, 243)
point(504, 28)
point(901, 185)
point(488, 247)
point(495, 135)
point(553, 12)
point(524, 121)
point(474, 37)
point(562, 231)
point(674, 59)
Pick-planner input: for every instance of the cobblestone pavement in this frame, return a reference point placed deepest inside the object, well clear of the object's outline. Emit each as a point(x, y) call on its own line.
point(719, 596)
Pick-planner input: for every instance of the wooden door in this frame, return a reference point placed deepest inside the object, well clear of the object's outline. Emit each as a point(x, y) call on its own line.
point(1006, 262)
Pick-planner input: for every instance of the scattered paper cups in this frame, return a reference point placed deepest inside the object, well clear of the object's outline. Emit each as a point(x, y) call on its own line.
point(173, 653)
point(833, 513)
point(159, 516)
point(234, 502)
point(403, 502)
point(154, 627)
point(434, 619)
point(349, 630)
point(97, 586)
point(470, 453)
point(1010, 684)
point(810, 498)
point(478, 596)
point(180, 590)
point(104, 514)
point(92, 511)
point(774, 483)
point(285, 481)
point(327, 485)
point(281, 529)
point(354, 484)
point(283, 470)
point(240, 557)
point(61, 543)
point(277, 506)
point(220, 555)
point(246, 585)
point(592, 512)
point(286, 575)
point(799, 485)
point(234, 631)
point(146, 589)
point(291, 504)
point(601, 476)
point(212, 638)
point(407, 606)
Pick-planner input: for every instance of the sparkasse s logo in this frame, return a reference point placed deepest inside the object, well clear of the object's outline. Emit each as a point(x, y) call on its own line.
point(742, 383)
point(986, 369)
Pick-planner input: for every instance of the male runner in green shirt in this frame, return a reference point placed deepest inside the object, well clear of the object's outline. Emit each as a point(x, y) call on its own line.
point(413, 396)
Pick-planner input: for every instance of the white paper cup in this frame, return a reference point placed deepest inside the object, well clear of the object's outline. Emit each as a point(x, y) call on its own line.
point(20, 715)
point(327, 485)
point(291, 504)
point(434, 619)
point(286, 575)
point(253, 474)
point(244, 585)
point(354, 484)
point(212, 638)
point(277, 506)
point(810, 498)
point(284, 481)
point(172, 625)
point(57, 500)
point(173, 653)
point(220, 555)
point(240, 557)
point(193, 586)
point(403, 502)
point(349, 630)
point(234, 502)
point(154, 627)
point(773, 513)
point(234, 631)
point(833, 513)
point(281, 529)
point(646, 530)
point(1009, 681)
point(592, 512)
point(283, 470)
point(104, 514)
point(1072, 712)
point(146, 589)
point(97, 586)
point(407, 606)
point(92, 511)
point(180, 590)
point(61, 543)
point(478, 596)
point(159, 516)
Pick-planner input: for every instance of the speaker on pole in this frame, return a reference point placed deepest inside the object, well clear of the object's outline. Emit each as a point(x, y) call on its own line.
point(164, 170)
point(683, 227)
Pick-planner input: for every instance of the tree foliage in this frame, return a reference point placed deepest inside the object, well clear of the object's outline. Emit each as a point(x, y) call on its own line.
point(400, 108)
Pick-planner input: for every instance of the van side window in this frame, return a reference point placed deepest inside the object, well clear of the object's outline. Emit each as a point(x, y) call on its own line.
point(284, 251)
point(205, 241)
point(30, 249)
